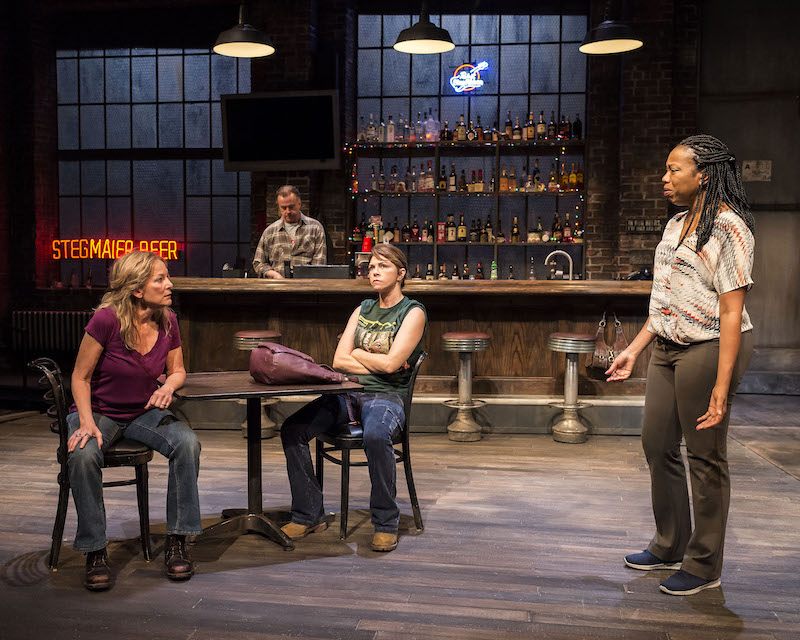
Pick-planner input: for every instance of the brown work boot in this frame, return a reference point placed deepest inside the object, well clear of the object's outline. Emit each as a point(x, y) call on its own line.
point(384, 541)
point(296, 531)
point(176, 558)
point(98, 574)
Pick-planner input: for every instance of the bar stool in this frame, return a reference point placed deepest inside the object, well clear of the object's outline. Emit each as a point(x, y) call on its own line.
point(247, 341)
point(464, 428)
point(569, 428)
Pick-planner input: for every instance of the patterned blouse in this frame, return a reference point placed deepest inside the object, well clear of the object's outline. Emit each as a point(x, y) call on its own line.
point(684, 302)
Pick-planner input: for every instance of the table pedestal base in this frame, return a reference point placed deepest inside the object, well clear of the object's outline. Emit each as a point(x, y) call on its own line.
point(239, 521)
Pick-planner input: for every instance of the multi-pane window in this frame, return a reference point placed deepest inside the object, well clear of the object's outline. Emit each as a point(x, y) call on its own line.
point(534, 66)
point(139, 140)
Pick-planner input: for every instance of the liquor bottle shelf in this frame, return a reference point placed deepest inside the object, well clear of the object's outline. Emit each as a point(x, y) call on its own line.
point(462, 194)
point(479, 244)
point(480, 148)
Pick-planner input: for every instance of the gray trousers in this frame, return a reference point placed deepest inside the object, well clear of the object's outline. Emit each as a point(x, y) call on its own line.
point(679, 384)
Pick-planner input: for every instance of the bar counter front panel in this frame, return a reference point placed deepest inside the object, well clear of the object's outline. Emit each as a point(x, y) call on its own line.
point(519, 315)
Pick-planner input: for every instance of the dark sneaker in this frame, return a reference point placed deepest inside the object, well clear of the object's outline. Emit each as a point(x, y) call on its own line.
point(646, 561)
point(98, 574)
point(685, 584)
point(176, 558)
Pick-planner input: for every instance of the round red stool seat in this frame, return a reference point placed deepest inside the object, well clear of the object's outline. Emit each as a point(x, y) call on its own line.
point(465, 341)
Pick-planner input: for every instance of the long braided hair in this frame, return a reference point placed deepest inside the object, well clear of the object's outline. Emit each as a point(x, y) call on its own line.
point(723, 184)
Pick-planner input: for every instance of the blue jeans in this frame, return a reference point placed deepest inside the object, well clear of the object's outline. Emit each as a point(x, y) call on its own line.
point(382, 416)
point(160, 430)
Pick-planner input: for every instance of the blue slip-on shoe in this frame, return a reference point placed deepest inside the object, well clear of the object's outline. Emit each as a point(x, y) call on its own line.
point(685, 584)
point(646, 561)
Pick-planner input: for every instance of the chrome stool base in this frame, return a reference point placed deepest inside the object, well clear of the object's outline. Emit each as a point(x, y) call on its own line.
point(569, 428)
point(464, 428)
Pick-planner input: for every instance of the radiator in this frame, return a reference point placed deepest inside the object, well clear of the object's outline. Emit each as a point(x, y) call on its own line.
point(48, 330)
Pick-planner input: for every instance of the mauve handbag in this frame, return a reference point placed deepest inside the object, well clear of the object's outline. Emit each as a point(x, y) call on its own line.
point(272, 363)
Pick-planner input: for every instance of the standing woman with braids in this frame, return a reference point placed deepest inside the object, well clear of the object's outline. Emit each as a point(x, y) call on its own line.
point(704, 342)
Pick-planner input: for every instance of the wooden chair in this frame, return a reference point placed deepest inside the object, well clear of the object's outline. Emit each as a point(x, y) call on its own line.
point(123, 453)
point(344, 443)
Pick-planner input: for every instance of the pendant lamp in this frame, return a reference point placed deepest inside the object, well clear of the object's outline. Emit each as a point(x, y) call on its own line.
point(424, 37)
point(609, 37)
point(243, 41)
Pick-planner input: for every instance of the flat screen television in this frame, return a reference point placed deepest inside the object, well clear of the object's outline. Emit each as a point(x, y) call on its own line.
point(281, 131)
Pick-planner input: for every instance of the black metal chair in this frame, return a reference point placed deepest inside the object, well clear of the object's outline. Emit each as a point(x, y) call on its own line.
point(344, 443)
point(123, 453)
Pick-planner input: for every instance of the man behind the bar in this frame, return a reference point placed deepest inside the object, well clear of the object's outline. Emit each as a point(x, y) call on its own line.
point(294, 237)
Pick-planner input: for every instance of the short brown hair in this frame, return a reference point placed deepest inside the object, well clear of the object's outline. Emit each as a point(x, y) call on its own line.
point(393, 255)
point(287, 190)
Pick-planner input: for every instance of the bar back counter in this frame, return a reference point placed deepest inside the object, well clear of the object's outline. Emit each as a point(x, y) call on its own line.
point(518, 376)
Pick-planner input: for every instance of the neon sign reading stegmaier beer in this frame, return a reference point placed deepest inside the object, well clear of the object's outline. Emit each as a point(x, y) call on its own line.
point(467, 77)
point(110, 249)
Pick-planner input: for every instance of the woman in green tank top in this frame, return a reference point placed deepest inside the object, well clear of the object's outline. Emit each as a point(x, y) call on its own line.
point(382, 336)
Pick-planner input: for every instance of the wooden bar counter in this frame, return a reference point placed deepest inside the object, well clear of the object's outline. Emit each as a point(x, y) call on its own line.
point(517, 314)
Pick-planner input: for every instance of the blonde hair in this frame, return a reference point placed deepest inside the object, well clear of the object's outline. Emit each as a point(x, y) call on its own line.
point(393, 255)
point(129, 273)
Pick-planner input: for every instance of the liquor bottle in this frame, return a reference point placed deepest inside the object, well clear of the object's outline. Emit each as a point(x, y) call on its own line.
point(552, 182)
point(392, 180)
point(495, 132)
point(577, 231)
point(551, 126)
point(510, 272)
point(372, 131)
point(573, 178)
point(492, 183)
point(423, 232)
point(562, 127)
point(356, 236)
point(488, 228)
point(422, 181)
point(381, 180)
point(530, 128)
point(487, 132)
point(567, 129)
point(472, 187)
point(445, 134)
point(429, 272)
point(367, 230)
point(454, 274)
point(484, 236)
point(474, 232)
point(493, 273)
point(532, 270)
point(579, 178)
point(515, 231)
point(417, 275)
point(430, 178)
point(390, 130)
point(541, 127)
point(479, 131)
point(415, 231)
point(462, 181)
point(419, 129)
point(402, 184)
point(406, 233)
point(443, 180)
point(450, 229)
point(563, 180)
point(479, 187)
point(412, 185)
point(516, 132)
point(512, 180)
point(509, 130)
point(577, 127)
point(566, 235)
point(461, 232)
point(536, 236)
point(451, 184)
point(472, 134)
point(380, 234)
point(461, 130)
point(407, 129)
point(431, 236)
point(442, 272)
point(499, 236)
point(557, 232)
point(465, 273)
point(373, 183)
point(504, 179)
point(381, 132)
point(537, 176)
point(479, 272)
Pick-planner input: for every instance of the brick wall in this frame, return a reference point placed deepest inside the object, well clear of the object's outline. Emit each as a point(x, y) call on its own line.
point(640, 105)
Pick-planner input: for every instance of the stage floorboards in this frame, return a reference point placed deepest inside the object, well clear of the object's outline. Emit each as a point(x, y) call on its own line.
point(524, 538)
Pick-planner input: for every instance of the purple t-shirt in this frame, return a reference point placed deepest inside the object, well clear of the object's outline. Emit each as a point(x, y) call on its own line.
point(124, 380)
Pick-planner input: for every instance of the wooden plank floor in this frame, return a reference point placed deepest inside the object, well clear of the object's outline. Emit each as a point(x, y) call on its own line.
point(524, 538)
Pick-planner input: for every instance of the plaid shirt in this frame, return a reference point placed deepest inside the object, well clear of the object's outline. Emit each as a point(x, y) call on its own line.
point(276, 246)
